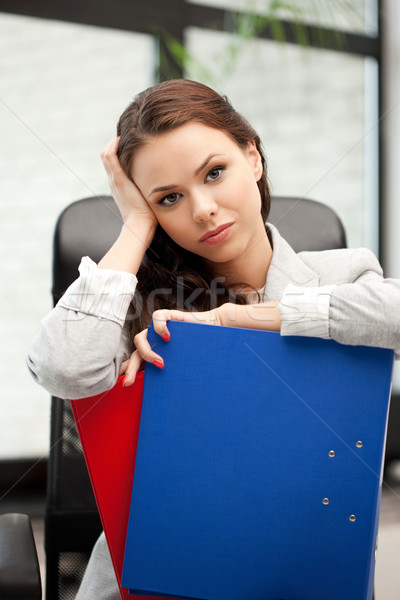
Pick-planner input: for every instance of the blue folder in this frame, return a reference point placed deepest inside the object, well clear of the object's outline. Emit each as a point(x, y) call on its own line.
point(259, 467)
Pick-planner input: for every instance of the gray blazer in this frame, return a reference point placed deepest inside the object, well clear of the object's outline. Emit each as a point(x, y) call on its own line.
point(84, 339)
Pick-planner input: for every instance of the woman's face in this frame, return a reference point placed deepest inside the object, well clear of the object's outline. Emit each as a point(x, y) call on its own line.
point(203, 190)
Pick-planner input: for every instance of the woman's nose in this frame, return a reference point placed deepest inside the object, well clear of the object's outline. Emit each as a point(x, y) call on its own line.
point(204, 206)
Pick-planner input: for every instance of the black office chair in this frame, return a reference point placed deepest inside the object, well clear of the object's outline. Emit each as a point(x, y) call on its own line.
point(89, 227)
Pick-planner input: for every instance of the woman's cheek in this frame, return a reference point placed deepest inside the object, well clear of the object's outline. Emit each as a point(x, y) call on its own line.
point(171, 229)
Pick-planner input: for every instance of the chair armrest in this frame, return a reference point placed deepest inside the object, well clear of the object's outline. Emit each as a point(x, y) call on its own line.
point(19, 565)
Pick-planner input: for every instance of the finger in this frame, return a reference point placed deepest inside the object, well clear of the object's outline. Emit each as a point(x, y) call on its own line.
point(162, 316)
point(110, 159)
point(146, 351)
point(112, 146)
point(135, 363)
point(123, 367)
point(109, 149)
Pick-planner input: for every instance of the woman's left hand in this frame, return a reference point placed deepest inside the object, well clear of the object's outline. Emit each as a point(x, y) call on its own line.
point(144, 352)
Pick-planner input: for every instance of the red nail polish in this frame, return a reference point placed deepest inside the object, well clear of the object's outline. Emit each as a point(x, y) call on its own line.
point(158, 363)
point(125, 381)
point(165, 337)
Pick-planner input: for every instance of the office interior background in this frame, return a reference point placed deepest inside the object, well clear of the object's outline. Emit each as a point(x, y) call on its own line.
point(320, 82)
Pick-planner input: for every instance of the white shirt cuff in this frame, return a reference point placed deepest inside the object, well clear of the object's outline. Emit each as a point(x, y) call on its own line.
point(305, 311)
point(104, 293)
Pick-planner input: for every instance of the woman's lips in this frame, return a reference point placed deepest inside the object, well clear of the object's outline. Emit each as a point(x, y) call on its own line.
point(217, 235)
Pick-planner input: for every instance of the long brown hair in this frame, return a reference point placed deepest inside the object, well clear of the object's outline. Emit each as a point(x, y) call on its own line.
point(171, 277)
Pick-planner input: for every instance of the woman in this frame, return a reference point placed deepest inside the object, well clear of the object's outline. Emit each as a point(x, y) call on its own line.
point(188, 175)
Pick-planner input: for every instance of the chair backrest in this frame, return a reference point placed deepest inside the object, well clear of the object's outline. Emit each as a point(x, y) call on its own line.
point(307, 224)
point(89, 227)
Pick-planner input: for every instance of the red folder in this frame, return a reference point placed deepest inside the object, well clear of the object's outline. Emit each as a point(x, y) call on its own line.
point(108, 426)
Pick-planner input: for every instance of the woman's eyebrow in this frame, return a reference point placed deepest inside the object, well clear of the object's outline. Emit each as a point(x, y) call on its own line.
point(172, 186)
point(163, 188)
point(205, 163)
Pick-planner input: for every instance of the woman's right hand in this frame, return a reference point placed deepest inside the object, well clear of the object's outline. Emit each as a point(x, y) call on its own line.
point(126, 194)
point(126, 254)
point(145, 353)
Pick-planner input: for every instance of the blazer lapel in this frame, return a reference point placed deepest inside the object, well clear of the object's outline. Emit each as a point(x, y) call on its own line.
point(286, 267)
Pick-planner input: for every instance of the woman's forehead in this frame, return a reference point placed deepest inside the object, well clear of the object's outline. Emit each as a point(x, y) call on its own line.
point(191, 134)
point(188, 146)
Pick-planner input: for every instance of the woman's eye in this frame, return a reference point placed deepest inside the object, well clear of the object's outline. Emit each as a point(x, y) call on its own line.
point(215, 173)
point(169, 200)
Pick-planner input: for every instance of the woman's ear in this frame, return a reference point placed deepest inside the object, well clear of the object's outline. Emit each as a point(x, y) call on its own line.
point(255, 160)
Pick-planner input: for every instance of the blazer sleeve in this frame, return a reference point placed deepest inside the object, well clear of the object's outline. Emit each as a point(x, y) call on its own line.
point(85, 338)
point(367, 311)
point(361, 309)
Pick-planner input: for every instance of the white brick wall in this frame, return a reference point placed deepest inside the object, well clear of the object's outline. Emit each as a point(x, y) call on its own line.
point(63, 87)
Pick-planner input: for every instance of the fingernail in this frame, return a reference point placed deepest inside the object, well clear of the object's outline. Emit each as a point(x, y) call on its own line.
point(158, 363)
point(165, 337)
point(125, 381)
